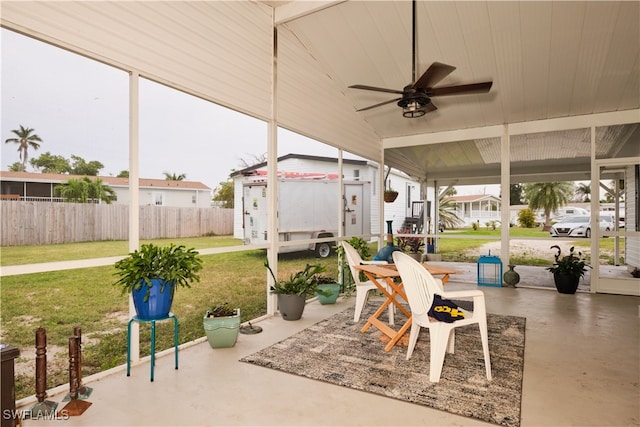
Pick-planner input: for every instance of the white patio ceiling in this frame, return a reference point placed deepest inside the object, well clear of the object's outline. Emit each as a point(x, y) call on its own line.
point(557, 68)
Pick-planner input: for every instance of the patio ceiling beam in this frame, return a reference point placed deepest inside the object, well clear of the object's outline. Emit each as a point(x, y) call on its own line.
point(297, 9)
point(523, 128)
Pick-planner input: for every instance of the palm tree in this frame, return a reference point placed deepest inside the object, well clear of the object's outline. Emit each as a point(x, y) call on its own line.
point(85, 190)
point(25, 139)
point(173, 177)
point(583, 191)
point(548, 196)
point(447, 209)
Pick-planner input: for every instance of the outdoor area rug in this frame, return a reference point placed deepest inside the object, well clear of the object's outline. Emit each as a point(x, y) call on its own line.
point(336, 352)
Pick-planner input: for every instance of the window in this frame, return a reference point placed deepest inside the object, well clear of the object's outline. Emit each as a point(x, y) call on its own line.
point(158, 198)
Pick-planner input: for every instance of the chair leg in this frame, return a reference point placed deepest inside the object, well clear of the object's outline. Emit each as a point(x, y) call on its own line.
point(413, 338)
point(484, 335)
point(451, 341)
point(361, 300)
point(438, 341)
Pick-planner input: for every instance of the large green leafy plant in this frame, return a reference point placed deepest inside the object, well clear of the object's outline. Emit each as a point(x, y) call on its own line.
point(569, 265)
point(302, 282)
point(172, 264)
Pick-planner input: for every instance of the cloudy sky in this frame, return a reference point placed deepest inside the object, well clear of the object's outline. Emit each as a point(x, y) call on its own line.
point(80, 107)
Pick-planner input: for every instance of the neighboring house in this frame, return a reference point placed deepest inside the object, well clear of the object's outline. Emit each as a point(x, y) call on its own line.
point(363, 170)
point(28, 186)
point(476, 208)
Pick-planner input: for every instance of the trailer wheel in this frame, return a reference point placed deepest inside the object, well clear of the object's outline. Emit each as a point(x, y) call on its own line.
point(323, 250)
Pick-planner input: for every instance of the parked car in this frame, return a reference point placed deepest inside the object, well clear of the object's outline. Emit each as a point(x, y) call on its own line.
point(577, 226)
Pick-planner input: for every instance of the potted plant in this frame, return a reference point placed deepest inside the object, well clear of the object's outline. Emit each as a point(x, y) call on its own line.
point(413, 246)
point(390, 195)
point(567, 270)
point(292, 292)
point(327, 290)
point(152, 275)
point(221, 325)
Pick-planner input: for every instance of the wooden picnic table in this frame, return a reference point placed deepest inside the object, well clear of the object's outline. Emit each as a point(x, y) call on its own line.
point(388, 273)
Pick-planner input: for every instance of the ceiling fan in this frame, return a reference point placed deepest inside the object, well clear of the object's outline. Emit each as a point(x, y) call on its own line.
point(416, 96)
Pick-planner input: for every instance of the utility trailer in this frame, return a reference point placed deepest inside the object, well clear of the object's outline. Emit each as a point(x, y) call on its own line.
point(308, 208)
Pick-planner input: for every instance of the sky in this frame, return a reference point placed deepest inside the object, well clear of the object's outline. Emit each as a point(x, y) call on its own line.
point(80, 107)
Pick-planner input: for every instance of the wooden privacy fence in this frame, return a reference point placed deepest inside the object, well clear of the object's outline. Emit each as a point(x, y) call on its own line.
point(41, 223)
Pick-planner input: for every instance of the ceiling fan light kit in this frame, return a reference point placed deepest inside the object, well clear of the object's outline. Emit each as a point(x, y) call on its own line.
point(416, 96)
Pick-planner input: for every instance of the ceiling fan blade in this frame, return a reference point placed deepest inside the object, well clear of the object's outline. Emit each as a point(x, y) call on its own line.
point(377, 89)
point(433, 75)
point(460, 89)
point(379, 105)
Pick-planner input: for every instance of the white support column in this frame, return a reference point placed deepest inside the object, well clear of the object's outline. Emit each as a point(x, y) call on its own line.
point(272, 179)
point(341, 201)
point(595, 201)
point(505, 184)
point(381, 230)
point(134, 199)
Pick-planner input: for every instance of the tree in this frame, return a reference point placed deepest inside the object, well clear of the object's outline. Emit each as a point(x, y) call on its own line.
point(548, 196)
point(85, 190)
point(25, 139)
point(224, 193)
point(254, 160)
point(123, 174)
point(447, 209)
point(80, 166)
point(50, 163)
point(583, 191)
point(515, 194)
point(15, 167)
point(173, 177)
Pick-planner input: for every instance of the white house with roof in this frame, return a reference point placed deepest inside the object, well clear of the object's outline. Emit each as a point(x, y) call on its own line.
point(30, 186)
point(478, 208)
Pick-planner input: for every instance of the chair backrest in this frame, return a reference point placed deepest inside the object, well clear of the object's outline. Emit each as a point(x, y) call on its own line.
point(353, 259)
point(419, 284)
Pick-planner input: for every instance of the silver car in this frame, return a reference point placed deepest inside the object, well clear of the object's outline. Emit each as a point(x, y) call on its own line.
point(576, 226)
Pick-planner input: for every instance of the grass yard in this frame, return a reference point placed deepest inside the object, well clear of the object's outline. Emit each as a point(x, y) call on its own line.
point(61, 300)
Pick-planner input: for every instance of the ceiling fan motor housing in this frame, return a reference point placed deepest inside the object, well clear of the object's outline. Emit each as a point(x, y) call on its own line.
point(413, 102)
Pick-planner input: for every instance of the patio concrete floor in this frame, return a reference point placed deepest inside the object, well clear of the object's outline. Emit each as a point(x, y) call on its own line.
point(582, 368)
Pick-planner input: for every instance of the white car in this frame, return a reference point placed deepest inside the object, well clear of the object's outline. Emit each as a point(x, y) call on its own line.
point(576, 226)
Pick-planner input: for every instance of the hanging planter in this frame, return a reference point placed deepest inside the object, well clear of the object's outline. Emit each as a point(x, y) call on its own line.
point(390, 196)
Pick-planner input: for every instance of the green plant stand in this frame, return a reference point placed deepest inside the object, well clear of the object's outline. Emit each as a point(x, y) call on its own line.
point(153, 339)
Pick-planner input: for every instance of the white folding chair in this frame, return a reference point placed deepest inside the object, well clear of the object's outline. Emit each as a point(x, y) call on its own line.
point(362, 287)
point(420, 287)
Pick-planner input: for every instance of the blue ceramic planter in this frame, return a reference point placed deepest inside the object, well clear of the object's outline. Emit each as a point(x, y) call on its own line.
point(159, 303)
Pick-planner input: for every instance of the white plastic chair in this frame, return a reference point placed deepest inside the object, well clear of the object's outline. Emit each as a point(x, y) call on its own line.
point(420, 286)
point(362, 287)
